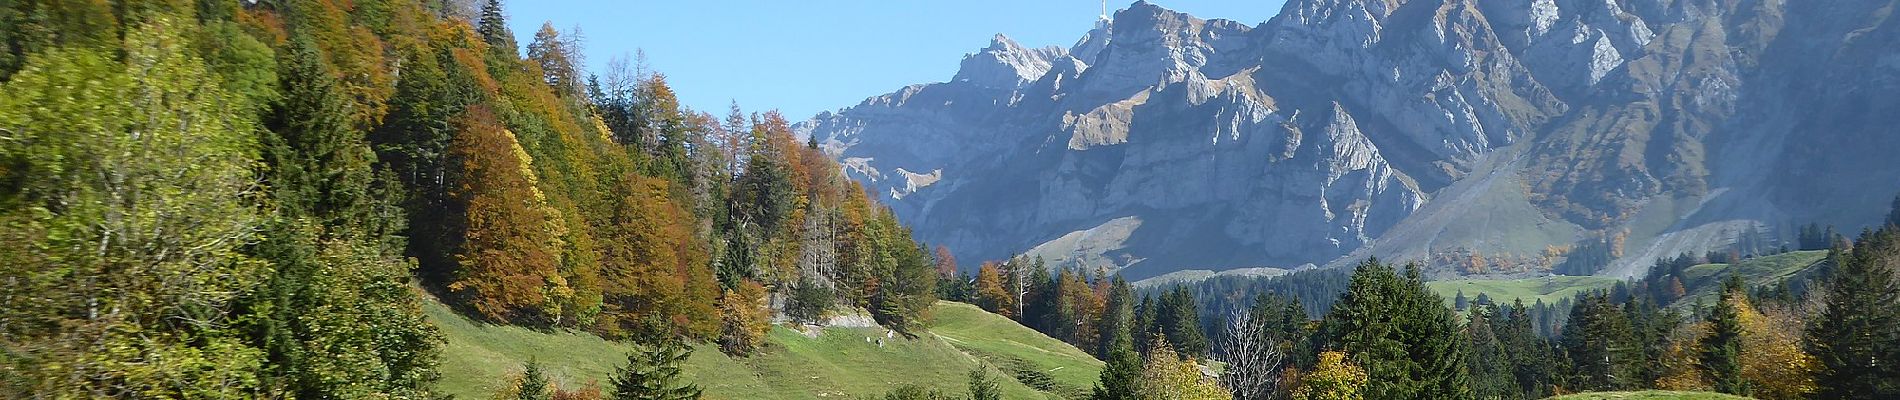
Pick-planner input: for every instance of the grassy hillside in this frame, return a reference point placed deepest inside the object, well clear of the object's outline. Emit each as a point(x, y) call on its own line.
point(1648, 395)
point(1016, 348)
point(839, 362)
point(1704, 281)
point(1550, 289)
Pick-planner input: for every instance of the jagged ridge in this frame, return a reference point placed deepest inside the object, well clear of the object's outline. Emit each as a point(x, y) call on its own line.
point(1405, 129)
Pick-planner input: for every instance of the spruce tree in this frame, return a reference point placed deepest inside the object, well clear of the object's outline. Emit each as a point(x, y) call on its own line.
point(1145, 329)
point(1180, 322)
point(1651, 327)
point(493, 26)
point(1531, 360)
point(1402, 333)
point(653, 373)
point(1490, 365)
point(1117, 320)
point(1598, 342)
point(983, 387)
point(1121, 377)
point(534, 383)
point(320, 165)
point(1720, 350)
point(1857, 335)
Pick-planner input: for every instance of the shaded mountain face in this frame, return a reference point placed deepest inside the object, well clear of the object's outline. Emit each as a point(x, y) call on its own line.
point(1478, 136)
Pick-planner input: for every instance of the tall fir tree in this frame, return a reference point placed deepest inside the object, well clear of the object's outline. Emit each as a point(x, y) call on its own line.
point(1490, 364)
point(1600, 346)
point(1403, 334)
point(534, 383)
point(653, 373)
point(1178, 319)
point(493, 26)
point(320, 165)
point(1121, 376)
point(1145, 328)
point(983, 386)
point(1531, 358)
point(1117, 324)
point(1720, 350)
point(1857, 334)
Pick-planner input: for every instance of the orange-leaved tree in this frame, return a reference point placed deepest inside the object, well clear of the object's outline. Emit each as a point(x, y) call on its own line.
point(509, 259)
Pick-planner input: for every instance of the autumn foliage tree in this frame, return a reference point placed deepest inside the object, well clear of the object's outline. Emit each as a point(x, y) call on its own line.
point(990, 293)
point(1334, 378)
point(512, 249)
point(1168, 375)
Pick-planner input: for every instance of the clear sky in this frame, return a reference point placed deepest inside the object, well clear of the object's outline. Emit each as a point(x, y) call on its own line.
point(802, 57)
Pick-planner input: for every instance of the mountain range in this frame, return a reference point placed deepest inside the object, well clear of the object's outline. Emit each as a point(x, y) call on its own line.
point(1478, 137)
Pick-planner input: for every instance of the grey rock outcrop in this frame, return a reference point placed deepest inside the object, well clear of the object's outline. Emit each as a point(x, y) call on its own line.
point(1396, 128)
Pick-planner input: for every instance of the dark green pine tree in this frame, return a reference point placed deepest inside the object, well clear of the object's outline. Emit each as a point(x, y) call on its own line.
point(534, 383)
point(1893, 214)
point(1490, 365)
point(983, 387)
point(1721, 349)
point(493, 26)
point(1117, 324)
point(653, 373)
point(1144, 328)
point(1180, 322)
point(1039, 304)
point(413, 145)
point(320, 164)
point(1857, 334)
point(1532, 361)
point(1403, 335)
point(1652, 327)
point(335, 289)
point(1431, 333)
point(1598, 343)
point(1120, 377)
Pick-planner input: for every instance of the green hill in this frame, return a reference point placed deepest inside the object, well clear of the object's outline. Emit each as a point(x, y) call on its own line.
point(1704, 281)
point(1550, 289)
point(1011, 346)
point(837, 363)
point(1648, 395)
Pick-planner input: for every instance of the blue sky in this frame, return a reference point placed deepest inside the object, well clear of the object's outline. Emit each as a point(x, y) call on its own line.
point(802, 57)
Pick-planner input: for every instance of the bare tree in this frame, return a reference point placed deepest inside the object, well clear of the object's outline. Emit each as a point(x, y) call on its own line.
point(1253, 356)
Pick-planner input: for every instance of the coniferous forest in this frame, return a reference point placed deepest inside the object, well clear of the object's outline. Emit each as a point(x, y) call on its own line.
point(207, 199)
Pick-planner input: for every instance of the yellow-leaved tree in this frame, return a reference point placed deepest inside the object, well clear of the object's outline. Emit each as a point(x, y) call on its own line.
point(1334, 378)
point(510, 258)
point(1679, 359)
point(1773, 361)
point(1168, 376)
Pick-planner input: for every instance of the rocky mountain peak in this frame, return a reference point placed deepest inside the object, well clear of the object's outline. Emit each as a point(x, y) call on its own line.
point(1007, 65)
point(1149, 45)
point(1403, 129)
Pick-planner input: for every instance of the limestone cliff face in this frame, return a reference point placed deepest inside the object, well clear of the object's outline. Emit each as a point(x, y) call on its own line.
point(1403, 129)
